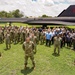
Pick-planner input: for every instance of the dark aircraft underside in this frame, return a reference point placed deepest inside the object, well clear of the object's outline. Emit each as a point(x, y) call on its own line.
point(67, 17)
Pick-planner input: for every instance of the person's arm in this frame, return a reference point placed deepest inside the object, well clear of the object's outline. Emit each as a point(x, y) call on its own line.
point(36, 40)
point(51, 36)
point(45, 35)
point(34, 50)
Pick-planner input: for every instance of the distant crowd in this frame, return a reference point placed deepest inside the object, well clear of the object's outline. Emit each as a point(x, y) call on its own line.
point(46, 36)
point(30, 37)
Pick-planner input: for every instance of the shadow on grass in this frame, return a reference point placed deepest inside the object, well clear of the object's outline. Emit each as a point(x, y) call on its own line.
point(6, 49)
point(26, 71)
point(55, 54)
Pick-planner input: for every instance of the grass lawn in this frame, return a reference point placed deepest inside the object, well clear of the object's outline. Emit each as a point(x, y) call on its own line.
point(12, 61)
point(16, 24)
point(23, 24)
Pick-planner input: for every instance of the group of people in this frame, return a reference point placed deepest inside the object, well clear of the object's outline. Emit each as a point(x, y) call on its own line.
point(31, 37)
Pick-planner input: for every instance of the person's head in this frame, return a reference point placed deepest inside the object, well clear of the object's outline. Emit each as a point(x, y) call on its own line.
point(32, 35)
point(58, 35)
point(48, 30)
point(27, 39)
point(7, 31)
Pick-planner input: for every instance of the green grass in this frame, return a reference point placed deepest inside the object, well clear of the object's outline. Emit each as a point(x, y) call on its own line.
point(23, 24)
point(69, 26)
point(14, 24)
point(3, 24)
point(20, 24)
point(12, 61)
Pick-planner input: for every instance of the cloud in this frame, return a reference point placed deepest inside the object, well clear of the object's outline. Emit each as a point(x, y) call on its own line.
point(58, 1)
point(36, 7)
point(49, 2)
point(63, 1)
point(71, 1)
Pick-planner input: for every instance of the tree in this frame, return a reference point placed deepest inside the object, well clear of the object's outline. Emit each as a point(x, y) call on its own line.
point(44, 15)
point(3, 14)
point(11, 14)
point(16, 13)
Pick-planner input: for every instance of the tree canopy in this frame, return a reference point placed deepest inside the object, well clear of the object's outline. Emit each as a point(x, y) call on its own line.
point(11, 14)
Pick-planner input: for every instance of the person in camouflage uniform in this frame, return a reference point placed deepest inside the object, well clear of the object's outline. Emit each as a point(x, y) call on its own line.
point(73, 43)
point(18, 35)
point(73, 40)
point(15, 36)
point(28, 47)
point(8, 40)
point(33, 38)
point(1, 36)
point(12, 35)
point(57, 43)
point(37, 36)
point(22, 35)
point(42, 37)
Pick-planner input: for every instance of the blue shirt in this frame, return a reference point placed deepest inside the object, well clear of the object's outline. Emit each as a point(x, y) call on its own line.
point(48, 36)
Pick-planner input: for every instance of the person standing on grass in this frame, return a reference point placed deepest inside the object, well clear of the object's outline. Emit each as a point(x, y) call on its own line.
point(33, 38)
point(48, 38)
point(68, 40)
point(1, 40)
point(7, 40)
point(42, 38)
point(28, 47)
point(74, 43)
point(73, 40)
point(57, 43)
point(15, 36)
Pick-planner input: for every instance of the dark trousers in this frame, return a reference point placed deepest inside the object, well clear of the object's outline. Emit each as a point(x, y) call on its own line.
point(68, 43)
point(74, 45)
point(62, 44)
point(48, 42)
point(52, 40)
point(0, 39)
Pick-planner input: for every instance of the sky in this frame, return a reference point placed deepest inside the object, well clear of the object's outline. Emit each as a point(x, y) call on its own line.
point(57, 1)
point(36, 8)
point(54, 2)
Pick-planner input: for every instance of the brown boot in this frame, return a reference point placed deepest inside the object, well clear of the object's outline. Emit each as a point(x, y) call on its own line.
point(33, 66)
point(25, 67)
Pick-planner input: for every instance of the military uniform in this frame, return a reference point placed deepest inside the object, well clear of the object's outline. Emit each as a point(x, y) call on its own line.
point(29, 53)
point(0, 36)
point(22, 36)
point(73, 43)
point(12, 35)
point(26, 34)
point(57, 43)
point(15, 36)
point(37, 37)
point(34, 40)
point(7, 40)
point(18, 34)
point(42, 38)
